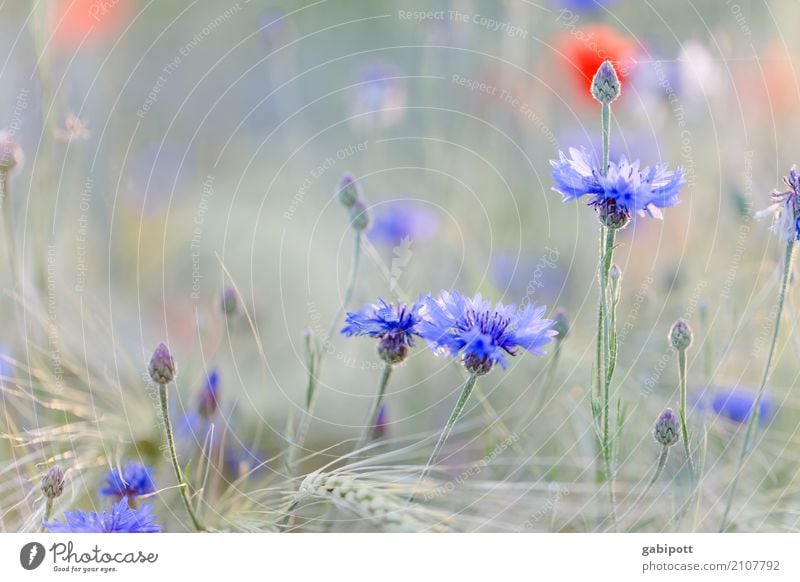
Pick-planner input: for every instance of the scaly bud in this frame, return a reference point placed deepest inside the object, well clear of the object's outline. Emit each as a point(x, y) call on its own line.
point(680, 335)
point(605, 84)
point(162, 366)
point(667, 429)
point(349, 190)
point(359, 216)
point(53, 482)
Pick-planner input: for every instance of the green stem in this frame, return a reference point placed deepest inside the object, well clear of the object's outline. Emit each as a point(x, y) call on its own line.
point(605, 122)
point(372, 419)
point(606, 332)
point(48, 509)
point(752, 421)
point(459, 408)
point(682, 411)
point(162, 392)
point(314, 372)
point(661, 463)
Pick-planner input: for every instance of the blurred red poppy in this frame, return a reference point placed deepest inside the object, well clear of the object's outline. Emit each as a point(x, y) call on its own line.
point(94, 20)
point(585, 48)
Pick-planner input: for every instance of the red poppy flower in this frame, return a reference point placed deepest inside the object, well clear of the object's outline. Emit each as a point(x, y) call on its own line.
point(584, 49)
point(72, 21)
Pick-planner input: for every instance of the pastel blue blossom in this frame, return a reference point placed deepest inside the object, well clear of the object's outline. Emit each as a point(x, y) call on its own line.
point(736, 404)
point(395, 325)
point(482, 334)
point(624, 188)
point(119, 519)
point(131, 481)
point(403, 219)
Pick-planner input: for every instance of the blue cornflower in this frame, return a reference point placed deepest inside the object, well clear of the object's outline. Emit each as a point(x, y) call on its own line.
point(209, 395)
point(395, 325)
point(785, 208)
point(736, 404)
point(119, 519)
point(621, 191)
point(132, 481)
point(483, 334)
point(403, 219)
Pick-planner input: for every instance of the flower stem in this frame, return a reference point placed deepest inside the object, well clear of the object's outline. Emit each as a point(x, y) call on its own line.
point(48, 509)
point(660, 464)
point(605, 120)
point(682, 412)
point(752, 421)
point(459, 408)
point(162, 392)
point(314, 371)
point(376, 406)
point(606, 336)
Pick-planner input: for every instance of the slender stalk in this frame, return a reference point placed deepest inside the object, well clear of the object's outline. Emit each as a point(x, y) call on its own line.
point(459, 408)
point(606, 335)
point(376, 406)
point(660, 464)
point(605, 122)
point(682, 413)
point(162, 392)
point(607, 445)
point(48, 509)
point(314, 372)
point(752, 421)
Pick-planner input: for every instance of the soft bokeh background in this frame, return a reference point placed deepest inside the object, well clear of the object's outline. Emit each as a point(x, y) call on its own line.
point(167, 143)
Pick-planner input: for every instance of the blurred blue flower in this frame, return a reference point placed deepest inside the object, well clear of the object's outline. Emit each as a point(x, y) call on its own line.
point(737, 403)
point(393, 222)
point(395, 325)
point(624, 188)
point(130, 481)
point(208, 400)
point(483, 334)
point(119, 519)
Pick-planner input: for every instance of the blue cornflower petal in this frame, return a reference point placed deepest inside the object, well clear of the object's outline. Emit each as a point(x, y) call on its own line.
point(119, 519)
point(131, 481)
point(484, 335)
point(395, 325)
point(624, 185)
point(736, 404)
point(382, 318)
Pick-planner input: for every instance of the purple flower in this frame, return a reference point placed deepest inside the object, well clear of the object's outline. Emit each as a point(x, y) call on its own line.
point(130, 481)
point(736, 404)
point(482, 334)
point(119, 519)
point(403, 219)
point(395, 325)
point(623, 190)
